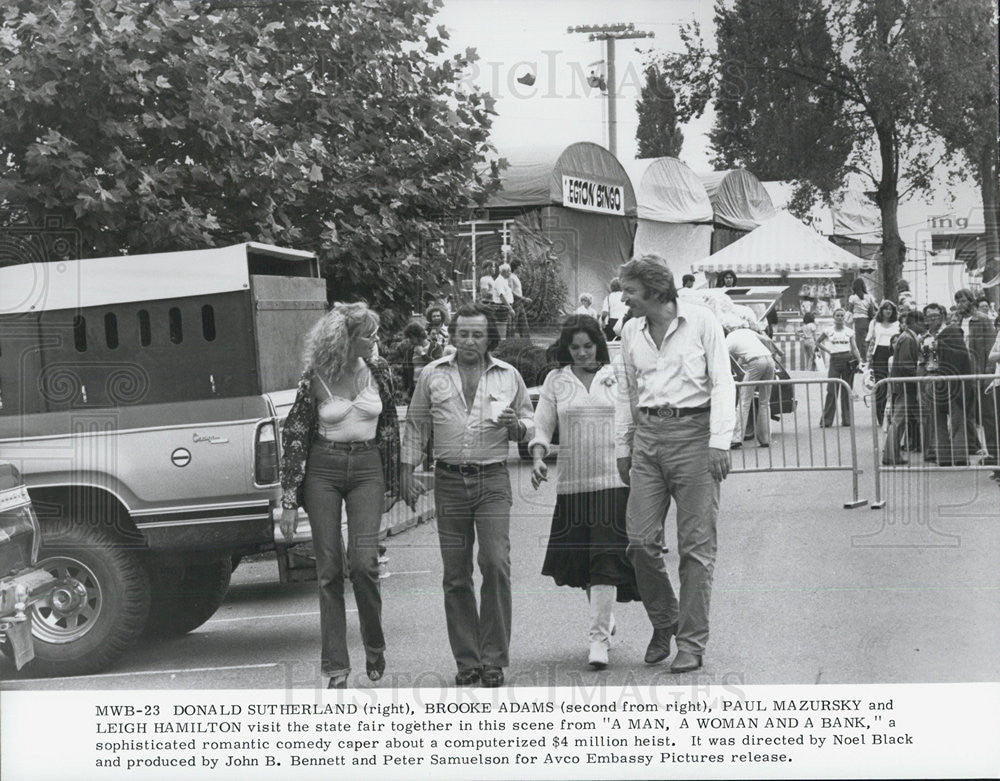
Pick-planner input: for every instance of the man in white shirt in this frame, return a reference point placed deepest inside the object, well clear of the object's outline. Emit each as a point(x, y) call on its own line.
point(747, 349)
point(503, 297)
point(674, 421)
point(519, 326)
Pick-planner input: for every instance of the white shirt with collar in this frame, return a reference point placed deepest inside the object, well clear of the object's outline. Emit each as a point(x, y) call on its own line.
point(502, 294)
point(586, 423)
point(463, 435)
point(690, 369)
point(744, 344)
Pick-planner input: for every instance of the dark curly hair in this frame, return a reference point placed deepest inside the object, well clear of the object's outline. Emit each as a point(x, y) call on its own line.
point(436, 308)
point(558, 351)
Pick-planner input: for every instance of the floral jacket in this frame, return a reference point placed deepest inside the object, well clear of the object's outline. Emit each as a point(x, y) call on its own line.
point(300, 430)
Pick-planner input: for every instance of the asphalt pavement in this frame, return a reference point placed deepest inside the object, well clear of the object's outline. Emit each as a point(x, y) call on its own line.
point(805, 592)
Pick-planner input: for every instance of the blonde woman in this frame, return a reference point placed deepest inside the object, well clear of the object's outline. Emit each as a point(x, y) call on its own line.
point(341, 445)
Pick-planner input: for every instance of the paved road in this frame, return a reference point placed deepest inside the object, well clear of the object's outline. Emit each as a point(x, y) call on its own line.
point(805, 592)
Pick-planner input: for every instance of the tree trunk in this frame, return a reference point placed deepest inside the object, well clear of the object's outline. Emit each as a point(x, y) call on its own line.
point(988, 187)
point(887, 198)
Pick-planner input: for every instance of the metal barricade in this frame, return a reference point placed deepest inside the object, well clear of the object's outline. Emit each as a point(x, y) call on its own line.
point(939, 416)
point(798, 442)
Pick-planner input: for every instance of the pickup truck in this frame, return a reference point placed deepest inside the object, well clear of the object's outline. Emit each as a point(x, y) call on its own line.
point(139, 400)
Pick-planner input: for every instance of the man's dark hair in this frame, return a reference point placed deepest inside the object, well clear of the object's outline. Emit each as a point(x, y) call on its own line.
point(651, 271)
point(415, 331)
point(475, 310)
point(967, 294)
point(720, 281)
point(559, 352)
point(687, 278)
point(913, 320)
point(938, 307)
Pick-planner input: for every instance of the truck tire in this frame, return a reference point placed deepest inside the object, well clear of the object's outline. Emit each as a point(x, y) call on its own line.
point(184, 598)
point(99, 608)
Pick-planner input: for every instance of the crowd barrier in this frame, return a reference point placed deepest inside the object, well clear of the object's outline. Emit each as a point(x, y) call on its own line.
point(935, 423)
point(798, 443)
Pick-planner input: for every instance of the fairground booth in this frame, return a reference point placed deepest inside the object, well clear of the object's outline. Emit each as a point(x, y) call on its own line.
point(739, 204)
point(783, 251)
point(579, 202)
point(674, 211)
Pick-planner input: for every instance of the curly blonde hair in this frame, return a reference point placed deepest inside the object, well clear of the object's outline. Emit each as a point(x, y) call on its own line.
point(329, 341)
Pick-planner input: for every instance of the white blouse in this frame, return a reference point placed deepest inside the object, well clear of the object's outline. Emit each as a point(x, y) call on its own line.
point(586, 421)
point(882, 333)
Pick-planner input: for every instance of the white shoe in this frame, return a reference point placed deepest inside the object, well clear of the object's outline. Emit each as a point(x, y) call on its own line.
point(598, 655)
point(602, 620)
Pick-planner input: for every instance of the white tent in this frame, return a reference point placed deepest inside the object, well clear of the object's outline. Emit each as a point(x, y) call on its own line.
point(580, 199)
point(675, 214)
point(781, 244)
point(739, 200)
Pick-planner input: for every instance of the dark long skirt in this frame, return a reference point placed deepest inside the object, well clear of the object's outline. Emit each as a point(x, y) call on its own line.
point(588, 540)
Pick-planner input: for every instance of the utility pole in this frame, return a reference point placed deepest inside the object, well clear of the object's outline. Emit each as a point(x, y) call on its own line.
point(611, 33)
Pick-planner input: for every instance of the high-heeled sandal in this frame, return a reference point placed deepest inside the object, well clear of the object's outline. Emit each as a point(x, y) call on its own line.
point(375, 668)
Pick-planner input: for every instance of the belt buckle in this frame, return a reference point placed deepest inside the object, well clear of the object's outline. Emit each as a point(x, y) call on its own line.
point(468, 470)
point(668, 412)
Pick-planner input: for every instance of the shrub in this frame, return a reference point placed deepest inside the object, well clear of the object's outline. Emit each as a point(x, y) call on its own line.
point(546, 288)
point(527, 358)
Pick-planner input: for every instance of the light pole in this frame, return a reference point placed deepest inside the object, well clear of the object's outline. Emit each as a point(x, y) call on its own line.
point(611, 33)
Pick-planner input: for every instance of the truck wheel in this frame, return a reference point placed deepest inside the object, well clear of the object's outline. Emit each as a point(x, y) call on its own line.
point(185, 598)
point(99, 607)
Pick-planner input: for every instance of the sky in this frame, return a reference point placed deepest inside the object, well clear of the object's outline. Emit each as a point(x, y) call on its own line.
point(513, 37)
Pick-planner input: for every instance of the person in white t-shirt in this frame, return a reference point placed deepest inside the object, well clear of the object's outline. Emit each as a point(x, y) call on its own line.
point(747, 349)
point(613, 310)
point(486, 284)
point(503, 300)
point(881, 331)
point(838, 341)
point(519, 325)
point(586, 306)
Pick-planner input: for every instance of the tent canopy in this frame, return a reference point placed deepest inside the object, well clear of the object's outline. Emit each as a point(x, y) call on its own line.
point(738, 199)
point(669, 191)
point(582, 176)
point(780, 244)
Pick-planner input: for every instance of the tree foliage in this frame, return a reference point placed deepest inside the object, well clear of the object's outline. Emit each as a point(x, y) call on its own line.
point(657, 133)
point(813, 90)
point(341, 128)
point(955, 48)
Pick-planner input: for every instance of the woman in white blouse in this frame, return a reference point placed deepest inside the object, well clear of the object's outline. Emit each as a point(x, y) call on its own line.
point(882, 330)
point(587, 541)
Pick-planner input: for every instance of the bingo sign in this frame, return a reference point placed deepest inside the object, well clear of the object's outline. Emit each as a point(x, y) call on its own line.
point(589, 196)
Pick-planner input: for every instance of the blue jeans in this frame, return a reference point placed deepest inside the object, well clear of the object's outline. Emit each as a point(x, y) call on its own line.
point(670, 459)
point(468, 505)
point(338, 473)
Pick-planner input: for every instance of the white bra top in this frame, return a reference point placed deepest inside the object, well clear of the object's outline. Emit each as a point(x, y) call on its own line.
point(347, 420)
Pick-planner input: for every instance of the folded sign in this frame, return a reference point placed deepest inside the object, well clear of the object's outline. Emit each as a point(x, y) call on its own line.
point(589, 196)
